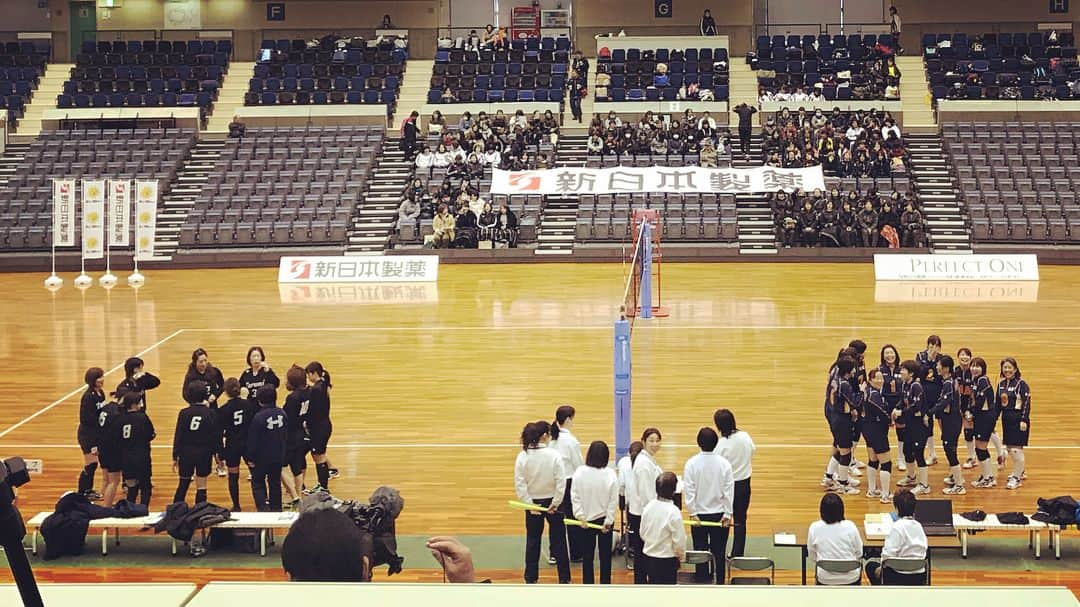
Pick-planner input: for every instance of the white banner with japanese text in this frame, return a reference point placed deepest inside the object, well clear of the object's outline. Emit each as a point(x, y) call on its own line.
point(119, 213)
point(146, 199)
point(956, 267)
point(672, 180)
point(93, 227)
point(388, 268)
point(63, 227)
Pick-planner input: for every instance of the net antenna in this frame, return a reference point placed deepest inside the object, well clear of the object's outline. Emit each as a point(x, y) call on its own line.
point(644, 264)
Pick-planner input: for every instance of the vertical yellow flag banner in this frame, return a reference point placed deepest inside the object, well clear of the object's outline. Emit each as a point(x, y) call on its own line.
point(146, 197)
point(119, 213)
point(93, 237)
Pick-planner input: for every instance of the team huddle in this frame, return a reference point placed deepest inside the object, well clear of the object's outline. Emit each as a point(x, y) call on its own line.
point(116, 433)
point(908, 396)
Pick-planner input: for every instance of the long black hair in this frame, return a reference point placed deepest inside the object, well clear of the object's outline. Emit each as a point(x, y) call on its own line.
point(317, 368)
point(562, 414)
point(130, 365)
point(532, 433)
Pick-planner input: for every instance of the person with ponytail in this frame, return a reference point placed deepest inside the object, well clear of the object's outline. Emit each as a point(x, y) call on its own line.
point(984, 413)
point(136, 433)
point(892, 393)
point(296, 404)
point(539, 478)
point(87, 433)
point(913, 414)
point(195, 441)
point(234, 419)
point(136, 379)
point(947, 410)
point(646, 471)
point(569, 449)
point(964, 386)
point(110, 455)
point(1014, 396)
point(317, 421)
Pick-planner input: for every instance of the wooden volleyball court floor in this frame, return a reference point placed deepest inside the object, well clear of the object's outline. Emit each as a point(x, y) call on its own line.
point(433, 382)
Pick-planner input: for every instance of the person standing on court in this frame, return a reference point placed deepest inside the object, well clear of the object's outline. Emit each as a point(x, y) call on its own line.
point(258, 374)
point(708, 493)
point(136, 434)
point(200, 369)
point(931, 383)
point(1014, 396)
point(947, 410)
point(136, 379)
point(594, 494)
point(234, 419)
point(737, 448)
point(265, 448)
point(296, 447)
point(539, 480)
point(662, 534)
point(87, 433)
point(708, 24)
point(569, 449)
point(640, 493)
point(195, 441)
point(317, 420)
point(745, 113)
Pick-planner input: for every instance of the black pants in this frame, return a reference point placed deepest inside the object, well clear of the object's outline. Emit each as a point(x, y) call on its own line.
point(575, 107)
point(741, 505)
point(573, 540)
point(266, 486)
point(534, 530)
point(590, 540)
point(661, 571)
point(744, 140)
point(713, 539)
point(641, 573)
point(877, 576)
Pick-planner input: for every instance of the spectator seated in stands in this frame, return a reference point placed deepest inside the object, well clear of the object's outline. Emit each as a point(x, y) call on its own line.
point(437, 123)
point(465, 227)
point(839, 220)
point(833, 67)
point(858, 144)
point(408, 210)
point(443, 226)
point(236, 128)
point(661, 142)
point(506, 226)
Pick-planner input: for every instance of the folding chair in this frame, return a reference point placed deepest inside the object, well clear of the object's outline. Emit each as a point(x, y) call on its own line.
point(833, 566)
point(693, 558)
point(751, 563)
point(904, 566)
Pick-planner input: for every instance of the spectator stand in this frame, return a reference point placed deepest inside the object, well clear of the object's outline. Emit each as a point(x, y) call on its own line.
point(526, 70)
point(827, 67)
point(22, 64)
point(633, 85)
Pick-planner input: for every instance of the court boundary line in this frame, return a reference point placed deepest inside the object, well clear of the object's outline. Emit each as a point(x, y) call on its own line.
point(505, 446)
point(67, 396)
point(608, 328)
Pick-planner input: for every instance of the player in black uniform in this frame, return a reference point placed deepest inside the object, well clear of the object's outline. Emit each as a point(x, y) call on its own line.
point(136, 379)
point(195, 441)
point(916, 428)
point(92, 400)
point(258, 374)
point(296, 405)
point(1014, 395)
point(947, 410)
point(265, 449)
point(317, 421)
point(875, 429)
point(893, 395)
point(984, 413)
point(844, 405)
point(110, 455)
point(931, 384)
point(234, 418)
point(963, 382)
point(858, 379)
point(136, 432)
point(200, 369)
point(828, 479)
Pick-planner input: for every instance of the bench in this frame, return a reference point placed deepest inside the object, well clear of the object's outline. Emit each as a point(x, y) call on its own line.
point(264, 522)
point(879, 527)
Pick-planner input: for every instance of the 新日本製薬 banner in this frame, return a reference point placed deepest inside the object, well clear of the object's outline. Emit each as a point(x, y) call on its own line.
point(573, 181)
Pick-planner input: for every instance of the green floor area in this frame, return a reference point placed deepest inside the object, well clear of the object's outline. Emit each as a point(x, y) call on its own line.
point(506, 552)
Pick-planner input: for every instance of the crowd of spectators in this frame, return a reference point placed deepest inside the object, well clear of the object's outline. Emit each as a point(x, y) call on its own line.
point(809, 68)
point(654, 135)
point(846, 144)
point(851, 219)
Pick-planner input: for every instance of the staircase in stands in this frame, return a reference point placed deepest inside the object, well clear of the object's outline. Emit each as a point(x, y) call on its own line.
point(14, 155)
point(43, 99)
point(180, 199)
point(756, 233)
point(230, 96)
point(937, 189)
point(558, 220)
point(376, 211)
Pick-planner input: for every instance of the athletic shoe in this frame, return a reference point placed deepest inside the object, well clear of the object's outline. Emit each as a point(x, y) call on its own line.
point(955, 490)
point(853, 470)
point(854, 482)
point(826, 481)
point(334, 473)
point(857, 464)
point(932, 461)
point(1014, 483)
point(949, 482)
point(907, 481)
point(986, 482)
point(873, 494)
point(886, 498)
point(846, 489)
point(901, 465)
point(221, 471)
point(921, 490)
point(969, 463)
point(315, 489)
point(552, 561)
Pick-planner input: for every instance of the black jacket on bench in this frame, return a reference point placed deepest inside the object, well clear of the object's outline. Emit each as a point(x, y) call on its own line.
point(65, 529)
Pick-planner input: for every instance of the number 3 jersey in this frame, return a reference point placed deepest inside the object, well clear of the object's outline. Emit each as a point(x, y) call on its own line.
point(197, 432)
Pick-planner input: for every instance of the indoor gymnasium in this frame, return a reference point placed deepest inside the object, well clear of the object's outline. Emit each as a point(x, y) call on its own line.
point(382, 302)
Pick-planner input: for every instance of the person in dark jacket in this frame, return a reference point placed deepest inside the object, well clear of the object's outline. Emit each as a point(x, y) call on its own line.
point(136, 379)
point(258, 374)
point(867, 219)
point(708, 24)
point(577, 86)
point(295, 463)
point(465, 228)
point(234, 419)
point(195, 441)
point(745, 113)
point(808, 225)
point(506, 226)
point(92, 401)
point(266, 451)
point(136, 433)
point(409, 130)
point(317, 421)
point(200, 369)
point(914, 230)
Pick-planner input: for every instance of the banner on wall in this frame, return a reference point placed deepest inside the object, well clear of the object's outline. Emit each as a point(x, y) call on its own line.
point(119, 213)
point(573, 181)
point(388, 268)
point(146, 197)
point(93, 228)
point(63, 227)
point(183, 14)
point(956, 267)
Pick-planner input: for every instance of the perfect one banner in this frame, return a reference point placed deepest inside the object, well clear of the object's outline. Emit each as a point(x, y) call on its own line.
point(1005, 267)
point(63, 227)
point(146, 195)
point(93, 237)
point(573, 181)
point(120, 213)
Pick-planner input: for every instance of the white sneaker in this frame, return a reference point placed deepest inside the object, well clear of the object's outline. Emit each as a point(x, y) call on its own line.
point(1014, 483)
point(847, 489)
point(857, 464)
point(901, 465)
point(854, 482)
point(921, 490)
point(854, 470)
point(907, 481)
point(955, 490)
point(873, 494)
point(886, 498)
point(825, 481)
point(969, 463)
point(932, 461)
point(985, 483)
point(949, 482)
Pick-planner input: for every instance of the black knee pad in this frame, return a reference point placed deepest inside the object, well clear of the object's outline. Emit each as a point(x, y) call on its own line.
point(886, 466)
point(982, 454)
point(969, 434)
point(845, 459)
point(873, 463)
